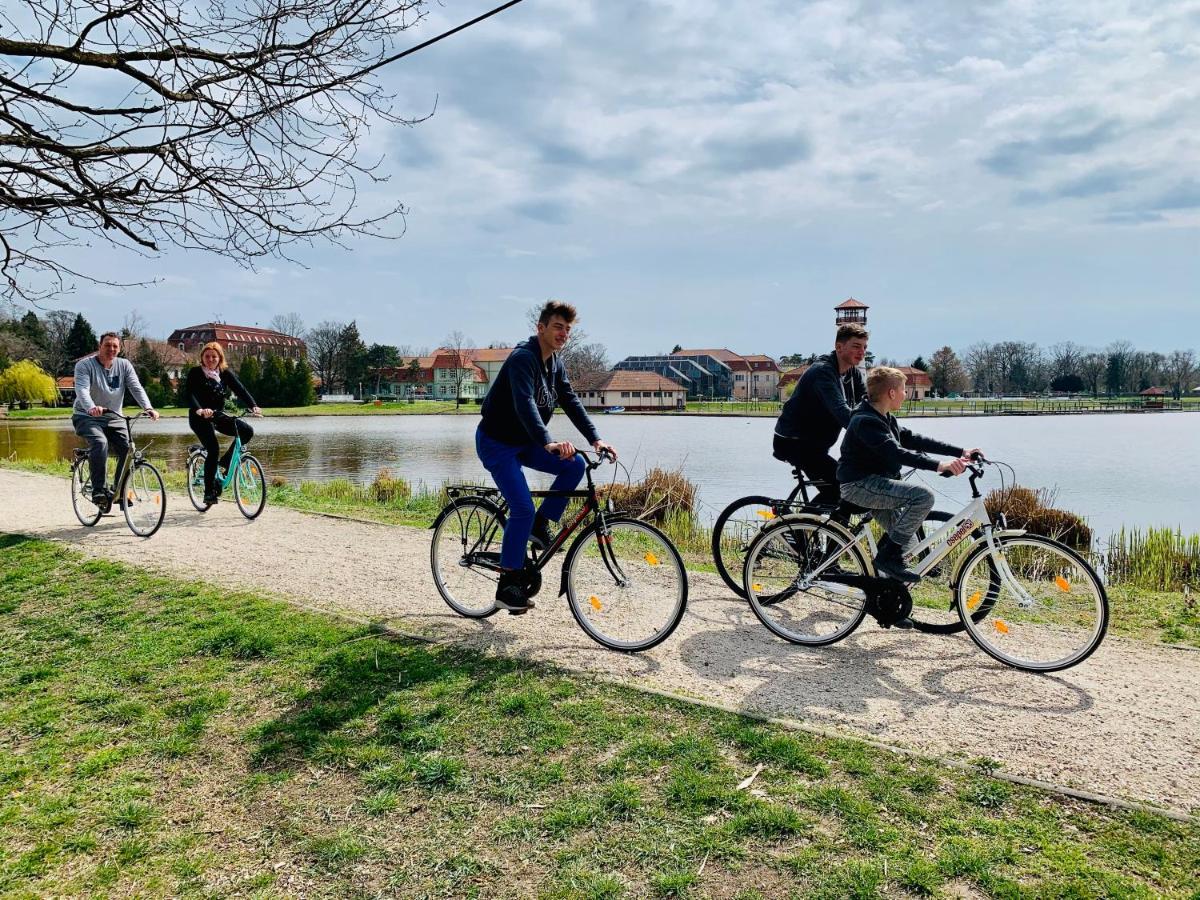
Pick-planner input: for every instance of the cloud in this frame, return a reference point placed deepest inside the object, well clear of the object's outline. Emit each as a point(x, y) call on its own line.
point(548, 212)
point(1183, 195)
point(734, 155)
point(1018, 159)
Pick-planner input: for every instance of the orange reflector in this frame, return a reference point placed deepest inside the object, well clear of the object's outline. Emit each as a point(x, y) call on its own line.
point(766, 513)
point(157, 499)
point(595, 601)
point(1063, 584)
point(129, 496)
point(652, 559)
point(757, 587)
point(1000, 626)
point(976, 599)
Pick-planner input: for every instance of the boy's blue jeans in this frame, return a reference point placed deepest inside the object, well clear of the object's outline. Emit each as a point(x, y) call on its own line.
point(504, 462)
point(900, 506)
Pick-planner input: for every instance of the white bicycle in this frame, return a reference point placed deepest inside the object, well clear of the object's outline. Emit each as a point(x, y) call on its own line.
point(1029, 601)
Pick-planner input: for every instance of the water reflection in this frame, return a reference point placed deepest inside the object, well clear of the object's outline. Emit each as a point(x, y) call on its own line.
point(1116, 470)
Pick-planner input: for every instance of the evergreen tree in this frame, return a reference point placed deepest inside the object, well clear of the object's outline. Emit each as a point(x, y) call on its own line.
point(353, 353)
point(82, 339)
point(32, 329)
point(167, 390)
point(919, 363)
point(273, 382)
point(250, 375)
point(302, 392)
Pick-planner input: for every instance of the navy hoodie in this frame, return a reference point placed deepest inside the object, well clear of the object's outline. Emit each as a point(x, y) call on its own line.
point(521, 400)
point(876, 444)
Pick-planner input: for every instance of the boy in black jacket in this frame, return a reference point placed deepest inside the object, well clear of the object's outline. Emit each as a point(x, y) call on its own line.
point(874, 449)
point(512, 433)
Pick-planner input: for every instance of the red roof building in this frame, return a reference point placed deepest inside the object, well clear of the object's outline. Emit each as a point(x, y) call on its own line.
point(631, 390)
point(851, 310)
point(238, 340)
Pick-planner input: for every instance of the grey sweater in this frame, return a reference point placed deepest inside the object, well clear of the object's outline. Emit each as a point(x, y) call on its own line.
point(97, 386)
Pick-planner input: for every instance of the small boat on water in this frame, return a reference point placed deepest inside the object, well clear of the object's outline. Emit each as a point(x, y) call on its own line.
point(615, 409)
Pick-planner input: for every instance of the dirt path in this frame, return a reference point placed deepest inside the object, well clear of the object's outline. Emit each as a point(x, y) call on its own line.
point(1126, 723)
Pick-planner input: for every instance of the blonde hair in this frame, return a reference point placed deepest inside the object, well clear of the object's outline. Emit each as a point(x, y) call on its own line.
point(881, 379)
point(220, 351)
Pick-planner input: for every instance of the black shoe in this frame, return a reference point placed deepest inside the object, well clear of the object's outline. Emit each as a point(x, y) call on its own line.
point(540, 536)
point(210, 498)
point(511, 595)
point(532, 583)
point(889, 561)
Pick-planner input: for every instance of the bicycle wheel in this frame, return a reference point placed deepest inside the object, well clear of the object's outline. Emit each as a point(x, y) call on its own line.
point(785, 583)
point(626, 585)
point(87, 512)
point(465, 556)
point(143, 499)
point(1048, 610)
point(734, 531)
point(195, 481)
point(934, 609)
point(250, 487)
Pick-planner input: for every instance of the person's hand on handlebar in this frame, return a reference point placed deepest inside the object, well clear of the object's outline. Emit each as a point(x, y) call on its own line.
point(952, 466)
point(97, 411)
point(152, 413)
point(561, 449)
point(256, 412)
point(603, 447)
point(204, 413)
point(973, 455)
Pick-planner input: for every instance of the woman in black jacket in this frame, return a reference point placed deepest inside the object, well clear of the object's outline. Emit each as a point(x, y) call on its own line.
point(209, 385)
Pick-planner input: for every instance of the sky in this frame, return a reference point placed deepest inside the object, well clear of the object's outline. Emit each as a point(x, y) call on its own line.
point(724, 174)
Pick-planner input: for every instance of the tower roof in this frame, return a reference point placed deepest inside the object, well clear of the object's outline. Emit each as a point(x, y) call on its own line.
point(852, 304)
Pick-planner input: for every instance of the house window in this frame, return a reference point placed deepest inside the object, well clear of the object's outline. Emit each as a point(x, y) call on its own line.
point(624, 393)
point(658, 393)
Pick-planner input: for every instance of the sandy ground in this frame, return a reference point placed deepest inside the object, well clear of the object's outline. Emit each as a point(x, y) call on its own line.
point(1125, 723)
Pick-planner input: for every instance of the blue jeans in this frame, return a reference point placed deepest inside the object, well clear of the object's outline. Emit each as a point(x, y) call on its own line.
point(900, 506)
point(504, 462)
point(100, 432)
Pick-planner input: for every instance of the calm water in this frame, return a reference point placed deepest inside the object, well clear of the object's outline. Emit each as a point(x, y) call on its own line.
point(1135, 470)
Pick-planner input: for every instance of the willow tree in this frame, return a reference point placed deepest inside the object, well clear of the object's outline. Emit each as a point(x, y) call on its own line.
point(27, 382)
point(230, 127)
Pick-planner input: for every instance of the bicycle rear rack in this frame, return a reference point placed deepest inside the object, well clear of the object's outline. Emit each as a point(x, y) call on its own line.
point(471, 490)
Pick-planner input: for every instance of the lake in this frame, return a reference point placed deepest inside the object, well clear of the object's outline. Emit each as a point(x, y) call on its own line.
point(1132, 470)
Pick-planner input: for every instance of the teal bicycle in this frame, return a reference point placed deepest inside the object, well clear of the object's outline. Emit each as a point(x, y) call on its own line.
point(245, 474)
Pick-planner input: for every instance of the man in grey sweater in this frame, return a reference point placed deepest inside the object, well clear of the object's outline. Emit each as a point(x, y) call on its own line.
point(100, 383)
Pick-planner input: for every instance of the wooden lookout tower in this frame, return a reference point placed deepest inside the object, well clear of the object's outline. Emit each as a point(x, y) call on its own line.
point(851, 311)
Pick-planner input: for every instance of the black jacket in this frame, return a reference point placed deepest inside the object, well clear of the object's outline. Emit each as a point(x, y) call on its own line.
point(820, 406)
point(521, 400)
point(875, 444)
point(204, 393)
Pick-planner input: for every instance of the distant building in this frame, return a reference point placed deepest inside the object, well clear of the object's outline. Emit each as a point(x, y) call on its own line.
point(635, 391)
point(851, 310)
point(789, 379)
point(443, 375)
point(918, 384)
point(712, 373)
point(238, 340)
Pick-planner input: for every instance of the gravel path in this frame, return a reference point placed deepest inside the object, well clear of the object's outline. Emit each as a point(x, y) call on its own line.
point(1125, 723)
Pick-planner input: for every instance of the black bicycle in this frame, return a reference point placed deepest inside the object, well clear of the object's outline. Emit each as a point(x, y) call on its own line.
point(139, 488)
point(624, 580)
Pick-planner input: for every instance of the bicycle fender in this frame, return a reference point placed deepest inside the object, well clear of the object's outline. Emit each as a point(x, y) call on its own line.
point(577, 544)
point(452, 508)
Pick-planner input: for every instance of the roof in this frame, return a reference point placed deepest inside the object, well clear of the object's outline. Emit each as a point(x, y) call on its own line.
point(624, 380)
point(915, 376)
point(489, 354)
point(851, 303)
point(1154, 392)
point(792, 375)
point(169, 353)
point(236, 334)
point(66, 383)
point(724, 354)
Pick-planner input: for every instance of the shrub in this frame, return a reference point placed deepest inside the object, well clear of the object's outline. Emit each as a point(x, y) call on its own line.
point(1032, 510)
point(386, 488)
point(656, 497)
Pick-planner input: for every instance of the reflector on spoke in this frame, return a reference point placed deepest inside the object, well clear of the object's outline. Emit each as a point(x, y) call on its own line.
point(1063, 584)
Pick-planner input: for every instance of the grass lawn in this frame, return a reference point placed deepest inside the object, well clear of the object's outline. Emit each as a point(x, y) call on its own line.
point(421, 407)
point(162, 738)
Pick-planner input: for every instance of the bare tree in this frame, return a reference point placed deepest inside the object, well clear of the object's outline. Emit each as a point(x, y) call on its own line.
point(325, 354)
point(1092, 366)
point(1180, 369)
point(288, 323)
point(228, 127)
point(134, 326)
point(457, 344)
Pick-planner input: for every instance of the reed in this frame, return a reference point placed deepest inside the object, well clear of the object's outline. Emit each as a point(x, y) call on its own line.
point(1158, 559)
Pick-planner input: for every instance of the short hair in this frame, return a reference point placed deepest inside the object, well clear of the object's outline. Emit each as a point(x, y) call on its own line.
point(104, 337)
point(556, 308)
point(849, 331)
point(881, 379)
point(213, 345)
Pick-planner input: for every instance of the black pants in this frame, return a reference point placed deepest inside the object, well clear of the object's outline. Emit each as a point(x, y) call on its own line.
point(101, 433)
point(206, 430)
point(816, 464)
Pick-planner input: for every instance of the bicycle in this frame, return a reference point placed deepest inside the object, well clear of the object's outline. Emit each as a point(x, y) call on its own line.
point(143, 496)
point(1028, 601)
point(245, 473)
point(741, 521)
point(624, 580)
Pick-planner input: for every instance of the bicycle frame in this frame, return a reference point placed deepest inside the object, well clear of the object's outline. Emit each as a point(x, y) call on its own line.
point(135, 453)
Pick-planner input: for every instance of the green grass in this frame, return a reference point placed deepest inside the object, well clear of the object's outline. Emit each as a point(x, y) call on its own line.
point(419, 407)
point(164, 738)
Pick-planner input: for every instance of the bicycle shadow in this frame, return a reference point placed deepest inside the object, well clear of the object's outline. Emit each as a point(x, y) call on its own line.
point(871, 681)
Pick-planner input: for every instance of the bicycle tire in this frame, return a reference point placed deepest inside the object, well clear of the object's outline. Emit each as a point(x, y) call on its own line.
point(457, 532)
point(729, 550)
point(922, 616)
point(774, 567)
point(250, 487)
point(87, 512)
point(195, 481)
point(631, 579)
point(143, 499)
point(1015, 622)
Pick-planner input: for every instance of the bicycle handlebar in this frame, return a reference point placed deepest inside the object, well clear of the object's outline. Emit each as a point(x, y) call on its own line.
point(601, 456)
